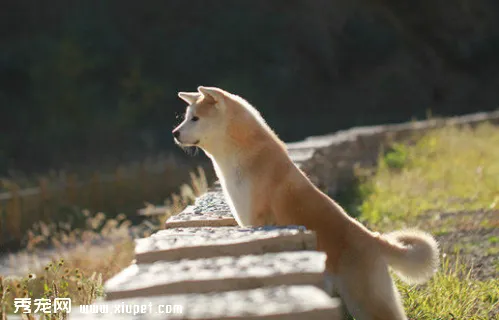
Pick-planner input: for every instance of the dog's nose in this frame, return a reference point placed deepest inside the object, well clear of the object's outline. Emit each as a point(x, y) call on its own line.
point(176, 134)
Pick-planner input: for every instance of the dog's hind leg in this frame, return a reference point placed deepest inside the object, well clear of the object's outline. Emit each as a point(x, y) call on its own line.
point(367, 289)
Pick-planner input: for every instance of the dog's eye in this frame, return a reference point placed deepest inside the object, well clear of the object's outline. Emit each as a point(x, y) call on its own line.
point(195, 119)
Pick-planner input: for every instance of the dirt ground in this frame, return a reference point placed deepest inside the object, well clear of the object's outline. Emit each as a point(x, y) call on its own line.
point(471, 236)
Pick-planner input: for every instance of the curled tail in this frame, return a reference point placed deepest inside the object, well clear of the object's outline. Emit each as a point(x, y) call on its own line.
point(413, 254)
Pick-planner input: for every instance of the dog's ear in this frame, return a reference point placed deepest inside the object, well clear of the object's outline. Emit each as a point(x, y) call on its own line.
point(212, 93)
point(189, 97)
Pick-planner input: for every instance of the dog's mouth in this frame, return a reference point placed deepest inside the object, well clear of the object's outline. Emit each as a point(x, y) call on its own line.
point(185, 144)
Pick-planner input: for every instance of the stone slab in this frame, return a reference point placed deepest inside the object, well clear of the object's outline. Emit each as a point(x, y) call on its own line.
point(192, 218)
point(218, 274)
point(211, 202)
point(279, 303)
point(207, 242)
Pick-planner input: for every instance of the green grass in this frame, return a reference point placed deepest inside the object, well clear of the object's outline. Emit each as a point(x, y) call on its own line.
point(449, 170)
point(451, 294)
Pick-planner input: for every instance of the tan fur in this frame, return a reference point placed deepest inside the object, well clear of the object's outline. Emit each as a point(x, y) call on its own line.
point(263, 187)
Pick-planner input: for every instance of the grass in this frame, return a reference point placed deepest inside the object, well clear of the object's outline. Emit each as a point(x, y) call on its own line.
point(86, 257)
point(451, 294)
point(57, 196)
point(448, 170)
point(56, 281)
point(428, 184)
point(187, 195)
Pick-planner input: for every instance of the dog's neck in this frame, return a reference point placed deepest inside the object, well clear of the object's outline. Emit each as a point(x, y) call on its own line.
point(229, 151)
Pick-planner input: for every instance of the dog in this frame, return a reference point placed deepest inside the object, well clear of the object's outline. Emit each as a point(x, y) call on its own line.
point(264, 187)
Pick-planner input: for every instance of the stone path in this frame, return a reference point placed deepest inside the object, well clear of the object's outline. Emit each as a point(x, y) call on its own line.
point(224, 272)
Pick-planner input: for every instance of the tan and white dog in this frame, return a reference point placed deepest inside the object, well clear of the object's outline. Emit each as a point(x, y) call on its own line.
point(264, 187)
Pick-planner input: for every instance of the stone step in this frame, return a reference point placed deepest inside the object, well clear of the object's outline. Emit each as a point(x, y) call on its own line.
point(191, 217)
point(211, 202)
point(278, 303)
point(210, 209)
point(218, 274)
point(207, 242)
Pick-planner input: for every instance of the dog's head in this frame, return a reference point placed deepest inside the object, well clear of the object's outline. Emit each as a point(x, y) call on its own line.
point(204, 122)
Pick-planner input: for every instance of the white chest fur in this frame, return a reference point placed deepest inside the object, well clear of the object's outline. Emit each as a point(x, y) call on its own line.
point(237, 190)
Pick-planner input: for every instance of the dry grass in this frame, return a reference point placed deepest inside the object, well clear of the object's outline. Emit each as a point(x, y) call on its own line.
point(56, 196)
point(86, 257)
point(186, 196)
